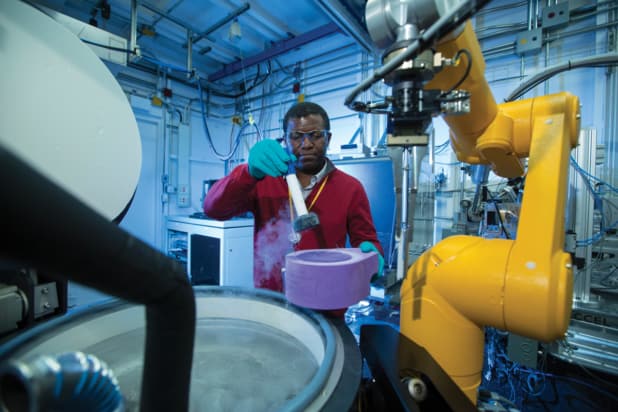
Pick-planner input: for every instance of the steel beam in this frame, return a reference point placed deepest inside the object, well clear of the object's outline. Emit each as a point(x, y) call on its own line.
point(277, 49)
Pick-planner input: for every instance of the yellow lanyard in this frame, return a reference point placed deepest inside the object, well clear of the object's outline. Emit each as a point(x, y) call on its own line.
point(315, 198)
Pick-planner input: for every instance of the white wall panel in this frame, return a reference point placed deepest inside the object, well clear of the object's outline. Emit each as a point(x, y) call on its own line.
point(143, 219)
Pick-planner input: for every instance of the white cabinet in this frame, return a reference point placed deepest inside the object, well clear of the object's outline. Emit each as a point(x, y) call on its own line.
point(214, 252)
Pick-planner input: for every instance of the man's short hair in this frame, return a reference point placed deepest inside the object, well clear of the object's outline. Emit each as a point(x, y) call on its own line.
point(305, 109)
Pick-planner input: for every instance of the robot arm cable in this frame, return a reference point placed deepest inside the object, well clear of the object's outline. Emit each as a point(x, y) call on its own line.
point(466, 73)
point(609, 59)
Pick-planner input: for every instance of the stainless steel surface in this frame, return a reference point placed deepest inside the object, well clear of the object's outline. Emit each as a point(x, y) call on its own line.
point(390, 21)
point(45, 299)
point(590, 345)
point(583, 211)
point(592, 337)
point(212, 223)
point(404, 234)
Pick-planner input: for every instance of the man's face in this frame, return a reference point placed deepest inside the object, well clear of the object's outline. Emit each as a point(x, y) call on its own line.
point(308, 140)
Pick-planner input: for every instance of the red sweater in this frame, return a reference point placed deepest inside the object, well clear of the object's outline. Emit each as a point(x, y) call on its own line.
point(342, 207)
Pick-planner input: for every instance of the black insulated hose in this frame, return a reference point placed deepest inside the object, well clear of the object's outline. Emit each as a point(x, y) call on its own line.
point(44, 227)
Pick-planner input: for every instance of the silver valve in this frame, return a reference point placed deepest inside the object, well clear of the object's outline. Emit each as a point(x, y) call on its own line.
point(455, 102)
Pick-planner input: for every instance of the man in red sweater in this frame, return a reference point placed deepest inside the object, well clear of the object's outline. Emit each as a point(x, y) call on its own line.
point(337, 198)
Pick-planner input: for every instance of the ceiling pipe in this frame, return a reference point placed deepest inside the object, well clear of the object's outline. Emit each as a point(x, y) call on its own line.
point(189, 54)
point(158, 19)
point(221, 23)
point(133, 46)
point(182, 24)
point(347, 23)
point(165, 15)
point(277, 49)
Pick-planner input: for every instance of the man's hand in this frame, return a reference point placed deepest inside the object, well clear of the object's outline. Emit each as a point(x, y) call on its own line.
point(366, 247)
point(267, 157)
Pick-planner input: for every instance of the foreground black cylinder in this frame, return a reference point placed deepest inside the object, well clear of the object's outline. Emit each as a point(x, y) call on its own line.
point(45, 227)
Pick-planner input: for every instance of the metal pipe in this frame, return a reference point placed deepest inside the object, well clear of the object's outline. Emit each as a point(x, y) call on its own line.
point(204, 50)
point(277, 49)
point(133, 33)
point(45, 227)
point(582, 30)
point(546, 60)
point(533, 7)
point(489, 10)
point(221, 22)
point(342, 17)
point(508, 48)
point(182, 24)
point(418, 152)
point(517, 27)
point(402, 253)
point(166, 175)
point(165, 15)
point(169, 10)
point(189, 54)
point(611, 109)
point(585, 156)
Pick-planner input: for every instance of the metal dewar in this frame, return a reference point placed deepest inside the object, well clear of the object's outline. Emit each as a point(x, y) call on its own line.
point(253, 349)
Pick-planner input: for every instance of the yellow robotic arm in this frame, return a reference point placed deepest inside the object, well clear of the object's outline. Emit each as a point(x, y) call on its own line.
point(525, 285)
point(465, 283)
point(490, 133)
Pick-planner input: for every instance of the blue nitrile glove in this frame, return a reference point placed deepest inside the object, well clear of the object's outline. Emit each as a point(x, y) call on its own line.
point(366, 247)
point(267, 157)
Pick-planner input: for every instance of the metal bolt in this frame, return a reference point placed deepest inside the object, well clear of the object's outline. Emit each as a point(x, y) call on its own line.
point(417, 389)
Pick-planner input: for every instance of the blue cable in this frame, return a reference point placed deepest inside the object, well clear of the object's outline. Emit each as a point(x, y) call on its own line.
point(585, 173)
point(81, 383)
point(598, 236)
point(58, 385)
point(598, 201)
point(584, 383)
point(207, 131)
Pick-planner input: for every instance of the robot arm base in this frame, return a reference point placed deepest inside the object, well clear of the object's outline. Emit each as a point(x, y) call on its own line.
point(395, 359)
